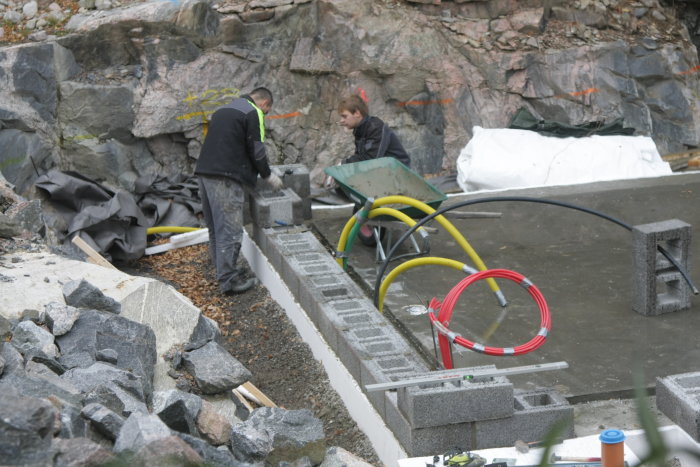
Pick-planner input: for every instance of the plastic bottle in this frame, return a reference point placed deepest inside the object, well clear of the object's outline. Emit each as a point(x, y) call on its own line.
point(612, 447)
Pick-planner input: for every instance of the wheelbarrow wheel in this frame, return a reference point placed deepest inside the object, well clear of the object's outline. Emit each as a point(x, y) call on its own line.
point(366, 235)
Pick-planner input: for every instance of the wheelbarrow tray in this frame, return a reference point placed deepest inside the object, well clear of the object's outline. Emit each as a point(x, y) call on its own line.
point(385, 176)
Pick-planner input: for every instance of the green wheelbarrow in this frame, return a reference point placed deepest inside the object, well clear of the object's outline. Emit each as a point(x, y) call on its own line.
point(377, 178)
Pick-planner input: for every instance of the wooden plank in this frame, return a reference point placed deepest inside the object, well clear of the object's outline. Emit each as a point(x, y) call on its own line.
point(93, 256)
point(250, 387)
point(243, 400)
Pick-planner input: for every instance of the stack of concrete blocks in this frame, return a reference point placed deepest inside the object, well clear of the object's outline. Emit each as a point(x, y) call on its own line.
point(678, 397)
point(296, 178)
point(658, 286)
point(426, 420)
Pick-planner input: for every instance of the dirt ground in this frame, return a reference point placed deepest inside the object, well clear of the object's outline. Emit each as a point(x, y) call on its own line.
point(258, 333)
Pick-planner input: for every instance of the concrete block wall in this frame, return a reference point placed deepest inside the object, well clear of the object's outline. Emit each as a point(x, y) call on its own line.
point(658, 287)
point(425, 419)
point(678, 397)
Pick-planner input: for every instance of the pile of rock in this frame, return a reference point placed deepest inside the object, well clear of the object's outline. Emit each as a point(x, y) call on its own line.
point(78, 386)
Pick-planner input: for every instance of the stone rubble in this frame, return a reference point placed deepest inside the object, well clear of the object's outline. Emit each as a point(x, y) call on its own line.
point(80, 385)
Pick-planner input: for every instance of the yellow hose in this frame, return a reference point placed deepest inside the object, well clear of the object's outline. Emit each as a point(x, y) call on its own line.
point(447, 225)
point(372, 214)
point(169, 229)
point(428, 260)
point(459, 238)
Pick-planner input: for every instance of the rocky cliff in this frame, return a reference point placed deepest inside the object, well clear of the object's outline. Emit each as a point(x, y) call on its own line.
point(126, 91)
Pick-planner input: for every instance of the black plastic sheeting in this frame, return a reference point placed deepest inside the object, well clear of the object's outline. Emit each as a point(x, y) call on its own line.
point(525, 120)
point(114, 223)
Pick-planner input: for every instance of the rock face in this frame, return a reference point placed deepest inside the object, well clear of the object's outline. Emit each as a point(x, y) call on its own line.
point(129, 91)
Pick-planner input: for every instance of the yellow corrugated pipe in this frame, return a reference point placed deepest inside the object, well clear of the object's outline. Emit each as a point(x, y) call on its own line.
point(459, 238)
point(169, 229)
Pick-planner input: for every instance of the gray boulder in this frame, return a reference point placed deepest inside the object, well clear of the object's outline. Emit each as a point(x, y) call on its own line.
point(27, 336)
point(105, 421)
point(79, 451)
point(139, 430)
point(221, 456)
point(169, 451)
point(60, 317)
point(26, 429)
point(95, 333)
point(121, 384)
point(214, 369)
point(278, 435)
point(204, 332)
point(72, 423)
point(82, 294)
point(178, 410)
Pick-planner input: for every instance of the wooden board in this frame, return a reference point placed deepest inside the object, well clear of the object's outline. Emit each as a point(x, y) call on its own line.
point(250, 387)
point(92, 255)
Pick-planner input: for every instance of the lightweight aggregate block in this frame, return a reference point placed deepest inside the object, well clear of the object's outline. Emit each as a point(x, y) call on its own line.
point(678, 397)
point(457, 402)
point(337, 316)
point(312, 298)
point(387, 369)
point(313, 269)
point(658, 286)
point(289, 244)
point(425, 441)
point(276, 208)
point(296, 177)
point(380, 340)
point(535, 413)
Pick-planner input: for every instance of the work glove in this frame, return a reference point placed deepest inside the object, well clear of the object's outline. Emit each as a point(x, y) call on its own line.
point(274, 182)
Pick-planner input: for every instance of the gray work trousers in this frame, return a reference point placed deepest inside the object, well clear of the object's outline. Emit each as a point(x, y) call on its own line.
point(222, 205)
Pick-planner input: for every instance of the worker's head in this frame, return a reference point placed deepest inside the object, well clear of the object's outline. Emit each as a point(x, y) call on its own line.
point(352, 111)
point(262, 98)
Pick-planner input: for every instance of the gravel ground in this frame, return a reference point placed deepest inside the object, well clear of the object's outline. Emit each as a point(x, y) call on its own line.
point(257, 332)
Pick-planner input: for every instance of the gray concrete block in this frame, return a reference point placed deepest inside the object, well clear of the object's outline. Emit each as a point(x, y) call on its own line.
point(678, 397)
point(386, 369)
point(425, 441)
point(313, 294)
point(276, 208)
point(657, 286)
point(296, 177)
point(312, 269)
point(335, 318)
point(458, 401)
point(375, 339)
point(535, 414)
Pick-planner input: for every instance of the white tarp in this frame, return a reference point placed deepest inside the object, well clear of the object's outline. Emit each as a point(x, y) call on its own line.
point(506, 158)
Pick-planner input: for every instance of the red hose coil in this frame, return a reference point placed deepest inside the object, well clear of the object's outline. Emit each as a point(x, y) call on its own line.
point(445, 309)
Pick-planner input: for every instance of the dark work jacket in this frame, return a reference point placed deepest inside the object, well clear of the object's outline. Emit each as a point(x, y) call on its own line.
point(233, 146)
point(373, 139)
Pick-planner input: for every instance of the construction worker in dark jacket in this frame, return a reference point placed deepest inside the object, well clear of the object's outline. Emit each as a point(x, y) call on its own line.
point(232, 157)
point(373, 137)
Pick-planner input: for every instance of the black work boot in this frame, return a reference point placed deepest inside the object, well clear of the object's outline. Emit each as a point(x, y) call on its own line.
point(242, 286)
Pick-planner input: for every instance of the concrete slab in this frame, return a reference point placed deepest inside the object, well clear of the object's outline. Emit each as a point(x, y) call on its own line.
point(582, 264)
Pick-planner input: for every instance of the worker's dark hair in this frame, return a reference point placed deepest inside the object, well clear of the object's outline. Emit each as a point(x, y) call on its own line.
point(262, 93)
point(352, 104)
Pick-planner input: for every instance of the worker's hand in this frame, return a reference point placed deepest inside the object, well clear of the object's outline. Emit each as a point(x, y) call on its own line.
point(329, 182)
point(275, 183)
